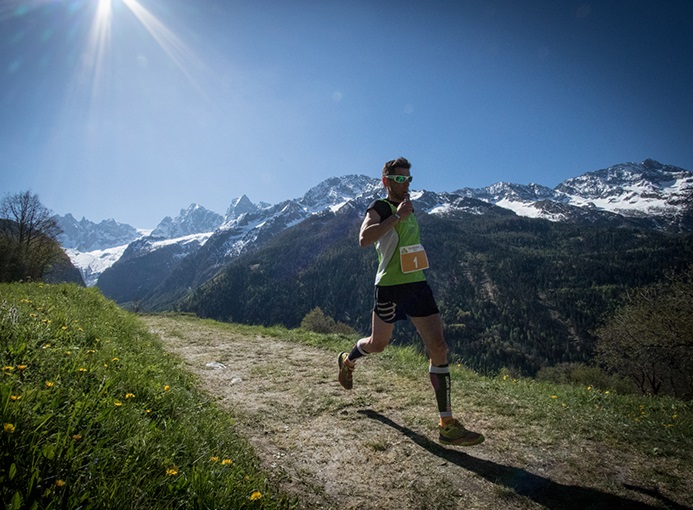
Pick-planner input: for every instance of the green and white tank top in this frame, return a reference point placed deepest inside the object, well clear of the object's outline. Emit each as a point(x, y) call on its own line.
point(389, 247)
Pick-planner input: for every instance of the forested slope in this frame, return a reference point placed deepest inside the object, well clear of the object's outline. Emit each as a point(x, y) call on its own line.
point(514, 292)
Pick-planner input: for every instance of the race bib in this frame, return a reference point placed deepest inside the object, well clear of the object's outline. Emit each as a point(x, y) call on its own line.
point(413, 258)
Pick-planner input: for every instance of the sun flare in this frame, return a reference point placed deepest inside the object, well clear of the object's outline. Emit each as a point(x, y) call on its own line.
point(100, 41)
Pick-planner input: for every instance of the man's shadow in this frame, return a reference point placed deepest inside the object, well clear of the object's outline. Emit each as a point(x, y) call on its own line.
point(542, 490)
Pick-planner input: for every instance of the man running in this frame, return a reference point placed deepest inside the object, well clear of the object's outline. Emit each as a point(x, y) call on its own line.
point(401, 291)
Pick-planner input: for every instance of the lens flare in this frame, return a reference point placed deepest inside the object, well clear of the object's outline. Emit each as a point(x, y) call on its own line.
point(169, 42)
point(99, 39)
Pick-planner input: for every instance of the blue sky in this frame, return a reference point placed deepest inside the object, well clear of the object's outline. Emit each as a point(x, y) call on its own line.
point(134, 109)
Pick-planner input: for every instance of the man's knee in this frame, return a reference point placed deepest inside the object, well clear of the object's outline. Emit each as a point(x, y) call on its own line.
point(438, 351)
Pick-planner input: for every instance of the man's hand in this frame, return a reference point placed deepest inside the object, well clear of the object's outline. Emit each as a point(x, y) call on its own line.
point(405, 208)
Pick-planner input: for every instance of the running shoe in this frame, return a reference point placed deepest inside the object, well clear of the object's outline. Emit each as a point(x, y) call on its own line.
point(455, 434)
point(345, 371)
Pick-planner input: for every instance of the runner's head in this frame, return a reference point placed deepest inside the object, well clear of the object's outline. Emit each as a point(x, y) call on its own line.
point(396, 179)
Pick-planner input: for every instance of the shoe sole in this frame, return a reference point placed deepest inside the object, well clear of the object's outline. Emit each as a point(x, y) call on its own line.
point(461, 441)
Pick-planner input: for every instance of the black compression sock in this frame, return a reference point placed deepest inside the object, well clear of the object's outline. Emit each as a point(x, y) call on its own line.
point(356, 352)
point(440, 379)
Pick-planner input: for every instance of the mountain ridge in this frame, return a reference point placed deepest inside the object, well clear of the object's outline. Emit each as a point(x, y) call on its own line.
point(643, 195)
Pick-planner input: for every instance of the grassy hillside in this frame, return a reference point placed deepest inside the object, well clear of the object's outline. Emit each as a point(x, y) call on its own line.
point(95, 414)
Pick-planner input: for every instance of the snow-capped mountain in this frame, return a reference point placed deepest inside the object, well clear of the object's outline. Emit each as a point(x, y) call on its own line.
point(92, 263)
point(649, 188)
point(336, 191)
point(193, 220)
point(242, 205)
point(86, 236)
point(519, 198)
point(94, 247)
point(260, 223)
point(247, 226)
point(632, 191)
point(647, 195)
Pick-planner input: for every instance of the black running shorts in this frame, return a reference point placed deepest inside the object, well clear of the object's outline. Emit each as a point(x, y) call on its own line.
point(396, 302)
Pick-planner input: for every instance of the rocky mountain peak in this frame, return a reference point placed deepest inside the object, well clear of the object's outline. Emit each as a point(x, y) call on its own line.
point(239, 206)
point(193, 220)
point(85, 235)
point(336, 190)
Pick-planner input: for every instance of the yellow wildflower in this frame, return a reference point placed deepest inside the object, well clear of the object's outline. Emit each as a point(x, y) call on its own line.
point(226, 462)
point(172, 471)
point(82, 369)
point(8, 368)
point(21, 367)
point(167, 388)
point(255, 495)
point(8, 428)
point(129, 395)
point(76, 437)
point(60, 483)
point(15, 398)
point(214, 459)
point(117, 403)
point(554, 396)
point(50, 384)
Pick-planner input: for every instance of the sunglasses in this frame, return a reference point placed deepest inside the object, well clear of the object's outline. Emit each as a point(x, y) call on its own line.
point(400, 179)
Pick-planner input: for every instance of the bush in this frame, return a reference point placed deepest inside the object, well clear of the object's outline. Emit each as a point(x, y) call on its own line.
point(317, 322)
point(650, 338)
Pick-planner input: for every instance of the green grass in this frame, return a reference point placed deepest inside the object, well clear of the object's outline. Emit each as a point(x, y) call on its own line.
point(95, 414)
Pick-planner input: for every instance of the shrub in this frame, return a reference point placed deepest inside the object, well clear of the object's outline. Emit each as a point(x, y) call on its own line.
point(317, 322)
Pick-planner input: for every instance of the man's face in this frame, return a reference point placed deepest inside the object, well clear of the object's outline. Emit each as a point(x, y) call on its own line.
point(397, 191)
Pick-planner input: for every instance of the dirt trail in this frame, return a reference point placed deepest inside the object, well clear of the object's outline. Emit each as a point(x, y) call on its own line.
point(372, 447)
